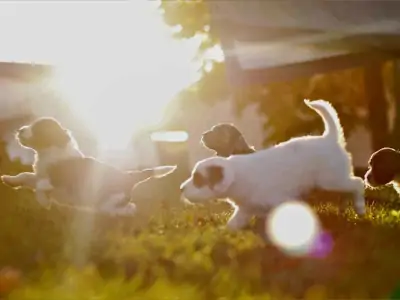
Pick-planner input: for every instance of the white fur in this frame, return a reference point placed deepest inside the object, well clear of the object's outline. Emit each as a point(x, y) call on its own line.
point(261, 180)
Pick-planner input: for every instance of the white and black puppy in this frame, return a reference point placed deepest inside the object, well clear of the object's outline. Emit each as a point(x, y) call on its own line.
point(384, 168)
point(51, 143)
point(63, 175)
point(256, 182)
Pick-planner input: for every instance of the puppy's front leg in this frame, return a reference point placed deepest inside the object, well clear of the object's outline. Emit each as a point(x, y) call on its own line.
point(21, 180)
point(43, 187)
point(113, 206)
point(43, 199)
point(238, 220)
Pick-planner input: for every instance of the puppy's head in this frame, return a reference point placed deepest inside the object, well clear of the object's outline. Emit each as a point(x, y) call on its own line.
point(211, 178)
point(384, 167)
point(226, 140)
point(42, 134)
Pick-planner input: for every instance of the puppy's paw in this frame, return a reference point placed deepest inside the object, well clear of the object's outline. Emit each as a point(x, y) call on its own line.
point(11, 181)
point(44, 185)
point(43, 200)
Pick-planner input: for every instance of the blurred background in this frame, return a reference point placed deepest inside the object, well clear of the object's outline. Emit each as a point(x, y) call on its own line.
point(138, 82)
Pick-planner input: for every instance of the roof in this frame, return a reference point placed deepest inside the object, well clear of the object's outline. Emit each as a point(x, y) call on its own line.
point(24, 71)
point(265, 40)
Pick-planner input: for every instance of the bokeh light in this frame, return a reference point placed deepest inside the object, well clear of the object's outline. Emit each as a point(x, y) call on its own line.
point(293, 227)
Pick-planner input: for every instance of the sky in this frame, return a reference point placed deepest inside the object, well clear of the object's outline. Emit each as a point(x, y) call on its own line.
point(116, 60)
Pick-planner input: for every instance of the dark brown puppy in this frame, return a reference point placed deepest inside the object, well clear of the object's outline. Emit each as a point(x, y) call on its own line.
point(226, 140)
point(384, 167)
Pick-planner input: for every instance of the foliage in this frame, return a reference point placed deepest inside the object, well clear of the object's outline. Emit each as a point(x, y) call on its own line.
point(281, 102)
point(189, 255)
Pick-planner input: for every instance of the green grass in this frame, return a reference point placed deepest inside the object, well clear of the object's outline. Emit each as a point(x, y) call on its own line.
point(187, 254)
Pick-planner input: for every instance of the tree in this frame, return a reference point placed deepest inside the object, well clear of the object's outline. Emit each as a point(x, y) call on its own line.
point(281, 102)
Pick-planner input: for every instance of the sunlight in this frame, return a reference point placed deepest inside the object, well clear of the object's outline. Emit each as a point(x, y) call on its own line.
point(170, 136)
point(118, 71)
point(293, 227)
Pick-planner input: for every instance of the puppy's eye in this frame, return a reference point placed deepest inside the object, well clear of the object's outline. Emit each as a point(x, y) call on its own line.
point(198, 180)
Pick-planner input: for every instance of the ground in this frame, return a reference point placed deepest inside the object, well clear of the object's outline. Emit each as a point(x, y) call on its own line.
point(187, 254)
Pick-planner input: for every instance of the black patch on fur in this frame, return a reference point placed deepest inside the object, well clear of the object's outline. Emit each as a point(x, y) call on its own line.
point(384, 166)
point(199, 180)
point(215, 175)
point(46, 133)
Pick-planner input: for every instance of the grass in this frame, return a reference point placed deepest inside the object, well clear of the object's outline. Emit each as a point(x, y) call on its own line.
point(187, 254)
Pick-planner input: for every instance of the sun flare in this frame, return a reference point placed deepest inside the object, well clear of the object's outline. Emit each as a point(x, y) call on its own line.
point(116, 62)
point(294, 227)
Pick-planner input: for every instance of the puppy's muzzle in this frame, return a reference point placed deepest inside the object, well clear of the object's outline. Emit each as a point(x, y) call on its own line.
point(369, 179)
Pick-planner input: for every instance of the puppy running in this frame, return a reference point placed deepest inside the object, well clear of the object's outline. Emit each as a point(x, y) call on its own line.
point(226, 140)
point(384, 168)
point(264, 179)
point(51, 143)
point(62, 172)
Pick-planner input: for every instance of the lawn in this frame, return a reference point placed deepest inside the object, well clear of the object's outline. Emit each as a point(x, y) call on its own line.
point(187, 254)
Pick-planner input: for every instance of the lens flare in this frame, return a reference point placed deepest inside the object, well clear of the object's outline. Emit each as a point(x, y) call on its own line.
point(293, 227)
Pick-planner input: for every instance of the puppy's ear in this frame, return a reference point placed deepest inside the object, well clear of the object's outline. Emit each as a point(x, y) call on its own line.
point(220, 178)
point(62, 139)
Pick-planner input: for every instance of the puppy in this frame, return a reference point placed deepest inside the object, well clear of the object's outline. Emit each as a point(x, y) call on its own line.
point(384, 168)
point(258, 181)
point(226, 140)
point(51, 143)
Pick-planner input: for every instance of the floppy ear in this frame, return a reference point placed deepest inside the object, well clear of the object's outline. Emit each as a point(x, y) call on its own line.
point(62, 138)
point(220, 178)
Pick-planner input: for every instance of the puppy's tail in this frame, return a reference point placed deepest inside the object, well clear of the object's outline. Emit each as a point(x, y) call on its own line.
point(333, 128)
point(163, 170)
point(140, 175)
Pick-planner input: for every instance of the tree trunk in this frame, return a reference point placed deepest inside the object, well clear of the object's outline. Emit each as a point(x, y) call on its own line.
point(377, 105)
point(395, 136)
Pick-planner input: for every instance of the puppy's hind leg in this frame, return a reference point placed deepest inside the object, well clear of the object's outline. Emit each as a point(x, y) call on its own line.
point(351, 184)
